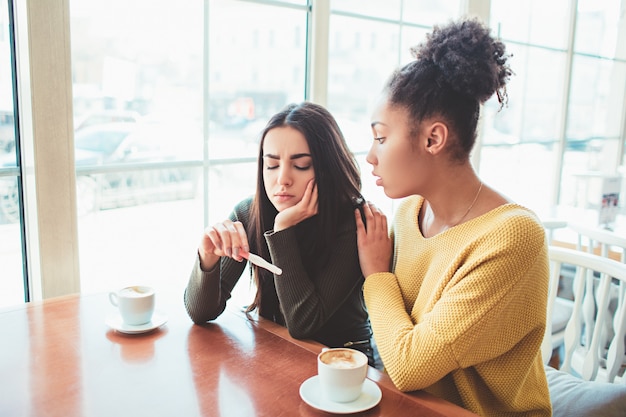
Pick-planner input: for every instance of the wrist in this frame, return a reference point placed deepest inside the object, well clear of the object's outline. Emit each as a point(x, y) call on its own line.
point(207, 261)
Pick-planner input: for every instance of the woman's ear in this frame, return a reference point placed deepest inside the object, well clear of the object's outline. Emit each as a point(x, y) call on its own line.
point(437, 137)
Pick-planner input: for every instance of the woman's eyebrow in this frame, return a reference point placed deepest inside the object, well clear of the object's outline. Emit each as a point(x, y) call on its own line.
point(376, 123)
point(294, 156)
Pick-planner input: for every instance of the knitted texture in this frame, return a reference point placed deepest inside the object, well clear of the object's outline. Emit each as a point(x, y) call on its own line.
point(324, 303)
point(463, 313)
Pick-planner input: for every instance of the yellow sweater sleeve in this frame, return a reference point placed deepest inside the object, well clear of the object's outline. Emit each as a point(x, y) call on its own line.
point(463, 313)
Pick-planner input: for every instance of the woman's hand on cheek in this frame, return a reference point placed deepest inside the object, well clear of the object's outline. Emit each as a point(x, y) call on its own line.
point(373, 241)
point(307, 207)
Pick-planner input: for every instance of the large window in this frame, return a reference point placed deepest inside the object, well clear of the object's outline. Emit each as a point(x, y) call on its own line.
point(597, 108)
point(519, 146)
point(169, 98)
point(561, 132)
point(367, 42)
point(168, 108)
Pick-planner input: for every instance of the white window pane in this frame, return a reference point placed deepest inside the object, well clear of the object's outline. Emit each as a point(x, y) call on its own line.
point(597, 99)
point(389, 9)
point(429, 12)
point(363, 54)
point(11, 278)
point(257, 64)
point(137, 71)
point(11, 275)
point(535, 22)
point(532, 113)
point(582, 182)
point(522, 172)
point(357, 71)
point(140, 88)
point(517, 142)
point(597, 28)
point(411, 36)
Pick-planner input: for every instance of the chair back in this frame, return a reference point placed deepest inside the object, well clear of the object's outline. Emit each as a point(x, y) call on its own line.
point(552, 224)
point(609, 244)
point(589, 354)
point(559, 308)
point(600, 241)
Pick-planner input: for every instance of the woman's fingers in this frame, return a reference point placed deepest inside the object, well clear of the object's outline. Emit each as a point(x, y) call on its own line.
point(360, 226)
point(243, 237)
point(309, 200)
point(314, 196)
point(229, 239)
point(373, 240)
point(375, 220)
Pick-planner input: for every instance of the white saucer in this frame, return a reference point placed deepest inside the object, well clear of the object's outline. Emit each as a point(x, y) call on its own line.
point(115, 322)
point(310, 392)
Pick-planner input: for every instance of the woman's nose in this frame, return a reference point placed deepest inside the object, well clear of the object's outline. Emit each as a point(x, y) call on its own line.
point(370, 157)
point(284, 176)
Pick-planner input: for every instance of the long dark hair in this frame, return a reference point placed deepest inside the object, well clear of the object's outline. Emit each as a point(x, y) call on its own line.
point(337, 178)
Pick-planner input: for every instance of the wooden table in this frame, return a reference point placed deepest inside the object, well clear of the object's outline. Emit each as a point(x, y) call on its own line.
point(58, 358)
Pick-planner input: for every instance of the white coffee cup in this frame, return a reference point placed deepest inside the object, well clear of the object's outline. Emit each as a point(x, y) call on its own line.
point(136, 304)
point(341, 372)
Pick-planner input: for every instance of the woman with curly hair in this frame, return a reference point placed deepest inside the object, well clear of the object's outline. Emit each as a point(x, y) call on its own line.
point(300, 219)
point(457, 291)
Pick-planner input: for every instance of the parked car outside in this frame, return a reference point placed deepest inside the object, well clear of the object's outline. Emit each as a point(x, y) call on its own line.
point(127, 148)
point(106, 116)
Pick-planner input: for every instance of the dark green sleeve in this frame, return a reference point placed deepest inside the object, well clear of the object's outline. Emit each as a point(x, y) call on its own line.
point(309, 301)
point(208, 291)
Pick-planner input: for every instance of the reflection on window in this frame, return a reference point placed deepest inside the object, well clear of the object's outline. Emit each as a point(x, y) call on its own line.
point(7, 129)
point(597, 28)
point(152, 98)
point(428, 12)
point(11, 265)
point(389, 9)
point(597, 94)
point(256, 67)
point(533, 22)
point(364, 51)
point(190, 110)
point(356, 75)
point(532, 125)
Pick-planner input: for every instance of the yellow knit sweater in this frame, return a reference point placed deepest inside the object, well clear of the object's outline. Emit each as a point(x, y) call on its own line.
point(463, 313)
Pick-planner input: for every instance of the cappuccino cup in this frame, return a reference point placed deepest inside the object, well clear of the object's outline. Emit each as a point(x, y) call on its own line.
point(135, 303)
point(341, 373)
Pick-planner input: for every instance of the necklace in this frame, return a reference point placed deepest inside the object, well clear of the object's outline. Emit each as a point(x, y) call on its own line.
point(471, 205)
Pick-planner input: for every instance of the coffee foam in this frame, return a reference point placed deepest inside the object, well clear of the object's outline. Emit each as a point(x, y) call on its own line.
point(135, 291)
point(343, 359)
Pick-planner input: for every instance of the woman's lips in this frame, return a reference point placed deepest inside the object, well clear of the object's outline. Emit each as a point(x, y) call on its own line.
point(283, 197)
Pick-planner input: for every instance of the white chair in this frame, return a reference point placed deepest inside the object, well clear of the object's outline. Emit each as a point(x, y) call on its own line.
point(586, 355)
point(604, 242)
point(561, 310)
point(551, 224)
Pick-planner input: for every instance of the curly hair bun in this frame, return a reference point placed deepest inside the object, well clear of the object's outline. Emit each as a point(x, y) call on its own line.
point(471, 61)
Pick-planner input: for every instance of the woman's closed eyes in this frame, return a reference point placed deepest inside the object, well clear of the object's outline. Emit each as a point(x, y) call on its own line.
point(298, 167)
point(301, 162)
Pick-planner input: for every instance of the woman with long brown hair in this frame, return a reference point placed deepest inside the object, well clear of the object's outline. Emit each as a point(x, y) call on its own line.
point(299, 219)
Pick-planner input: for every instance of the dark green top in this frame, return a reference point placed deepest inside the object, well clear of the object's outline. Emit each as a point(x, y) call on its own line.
point(319, 302)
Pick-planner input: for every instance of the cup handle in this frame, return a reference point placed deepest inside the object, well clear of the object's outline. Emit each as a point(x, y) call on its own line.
point(113, 298)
